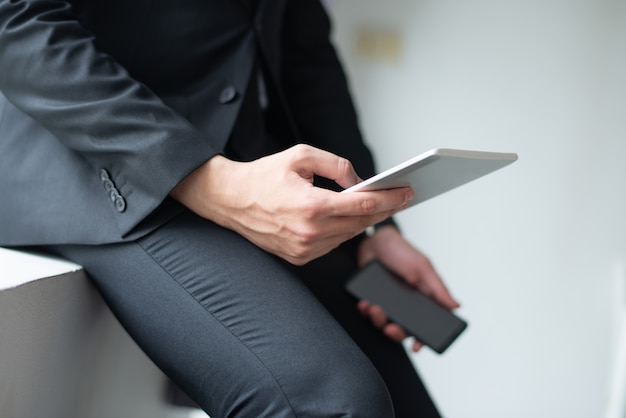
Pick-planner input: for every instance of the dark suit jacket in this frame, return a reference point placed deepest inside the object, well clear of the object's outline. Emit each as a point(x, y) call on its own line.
point(107, 104)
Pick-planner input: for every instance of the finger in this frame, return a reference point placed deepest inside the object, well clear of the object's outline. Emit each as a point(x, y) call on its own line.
point(363, 306)
point(416, 346)
point(379, 320)
point(309, 160)
point(433, 285)
point(343, 228)
point(372, 202)
point(316, 247)
point(329, 233)
point(424, 277)
point(377, 316)
point(395, 332)
point(349, 217)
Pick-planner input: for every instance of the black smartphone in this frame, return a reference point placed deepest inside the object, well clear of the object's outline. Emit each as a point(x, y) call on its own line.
point(420, 316)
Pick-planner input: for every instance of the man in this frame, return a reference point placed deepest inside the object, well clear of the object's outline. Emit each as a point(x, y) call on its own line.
point(162, 146)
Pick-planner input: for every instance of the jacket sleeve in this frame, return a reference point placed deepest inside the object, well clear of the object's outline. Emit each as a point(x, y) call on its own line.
point(51, 70)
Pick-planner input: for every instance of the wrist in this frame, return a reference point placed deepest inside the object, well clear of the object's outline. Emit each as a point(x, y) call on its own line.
point(192, 190)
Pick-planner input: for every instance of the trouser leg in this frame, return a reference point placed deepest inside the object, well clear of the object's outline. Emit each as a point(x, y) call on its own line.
point(232, 325)
point(326, 277)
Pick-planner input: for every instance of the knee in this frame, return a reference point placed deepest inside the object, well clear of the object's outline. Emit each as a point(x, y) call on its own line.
point(359, 393)
point(342, 389)
point(347, 388)
point(353, 389)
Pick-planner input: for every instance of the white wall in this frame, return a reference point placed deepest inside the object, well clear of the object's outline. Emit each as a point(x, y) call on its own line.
point(537, 251)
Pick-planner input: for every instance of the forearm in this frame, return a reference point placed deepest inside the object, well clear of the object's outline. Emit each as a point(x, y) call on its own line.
point(51, 70)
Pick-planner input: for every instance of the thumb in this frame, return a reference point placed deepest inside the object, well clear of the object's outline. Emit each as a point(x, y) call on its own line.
point(308, 161)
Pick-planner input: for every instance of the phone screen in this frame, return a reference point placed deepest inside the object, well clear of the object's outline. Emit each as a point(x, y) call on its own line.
point(420, 316)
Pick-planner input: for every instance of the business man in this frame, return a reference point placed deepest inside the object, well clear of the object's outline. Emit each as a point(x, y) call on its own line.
point(160, 144)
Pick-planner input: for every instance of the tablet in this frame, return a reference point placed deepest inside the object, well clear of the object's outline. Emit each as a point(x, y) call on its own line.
point(436, 171)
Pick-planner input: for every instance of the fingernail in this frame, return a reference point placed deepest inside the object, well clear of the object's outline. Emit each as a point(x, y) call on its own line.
point(408, 196)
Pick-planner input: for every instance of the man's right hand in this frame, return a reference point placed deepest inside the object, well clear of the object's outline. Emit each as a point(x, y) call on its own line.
point(273, 203)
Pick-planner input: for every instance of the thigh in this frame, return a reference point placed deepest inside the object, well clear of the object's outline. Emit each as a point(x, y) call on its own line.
point(231, 325)
point(326, 277)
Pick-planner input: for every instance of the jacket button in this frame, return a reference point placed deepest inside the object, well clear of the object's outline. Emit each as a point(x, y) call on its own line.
point(118, 200)
point(120, 204)
point(104, 175)
point(113, 194)
point(228, 94)
point(108, 185)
